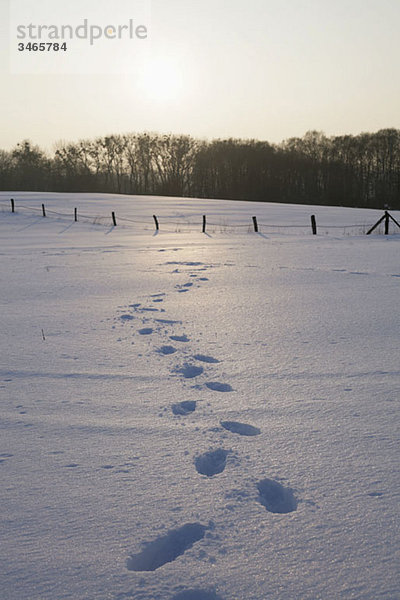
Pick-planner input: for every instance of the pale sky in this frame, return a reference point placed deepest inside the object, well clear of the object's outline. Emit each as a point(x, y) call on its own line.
point(265, 69)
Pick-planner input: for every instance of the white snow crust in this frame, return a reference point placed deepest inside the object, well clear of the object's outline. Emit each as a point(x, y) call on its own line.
point(189, 416)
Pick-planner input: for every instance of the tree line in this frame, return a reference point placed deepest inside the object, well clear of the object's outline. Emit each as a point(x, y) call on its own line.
point(351, 170)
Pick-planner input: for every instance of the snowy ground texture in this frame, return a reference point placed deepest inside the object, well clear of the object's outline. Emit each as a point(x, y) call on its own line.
point(190, 416)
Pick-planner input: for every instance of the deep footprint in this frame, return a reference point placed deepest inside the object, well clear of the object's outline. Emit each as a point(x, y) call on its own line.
point(189, 371)
point(275, 497)
point(240, 428)
point(166, 350)
point(184, 408)
point(166, 548)
point(216, 386)
point(211, 463)
point(179, 338)
point(185, 285)
point(205, 358)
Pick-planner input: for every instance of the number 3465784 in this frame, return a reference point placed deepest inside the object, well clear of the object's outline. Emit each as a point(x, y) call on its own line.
point(42, 47)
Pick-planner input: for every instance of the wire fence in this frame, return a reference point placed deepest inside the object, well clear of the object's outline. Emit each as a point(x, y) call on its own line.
point(170, 224)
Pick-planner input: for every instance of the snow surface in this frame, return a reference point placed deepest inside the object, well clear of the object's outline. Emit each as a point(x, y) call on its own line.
point(190, 416)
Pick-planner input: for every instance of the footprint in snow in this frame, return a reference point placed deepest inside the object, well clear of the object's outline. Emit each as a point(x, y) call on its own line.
point(166, 350)
point(126, 317)
point(275, 497)
point(167, 321)
point(211, 463)
point(240, 428)
point(184, 408)
point(216, 386)
point(166, 548)
point(189, 371)
point(184, 285)
point(179, 338)
point(205, 358)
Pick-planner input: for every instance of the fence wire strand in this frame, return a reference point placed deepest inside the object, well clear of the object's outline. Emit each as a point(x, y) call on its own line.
point(167, 225)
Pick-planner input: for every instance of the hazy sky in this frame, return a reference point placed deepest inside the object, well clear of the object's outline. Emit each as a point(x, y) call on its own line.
point(266, 69)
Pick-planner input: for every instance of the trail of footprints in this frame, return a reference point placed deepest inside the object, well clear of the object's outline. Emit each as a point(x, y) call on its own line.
point(275, 497)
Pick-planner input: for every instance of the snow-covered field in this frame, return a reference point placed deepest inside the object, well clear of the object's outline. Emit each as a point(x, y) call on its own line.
point(190, 416)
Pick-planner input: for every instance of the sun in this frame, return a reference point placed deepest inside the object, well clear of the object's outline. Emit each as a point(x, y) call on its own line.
point(161, 80)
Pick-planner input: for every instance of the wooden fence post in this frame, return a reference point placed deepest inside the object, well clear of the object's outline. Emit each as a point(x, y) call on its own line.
point(12, 205)
point(75, 214)
point(386, 217)
point(313, 225)
point(114, 219)
point(156, 222)
point(43, 210)
point(204, 224)
point(255, 224)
